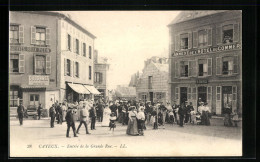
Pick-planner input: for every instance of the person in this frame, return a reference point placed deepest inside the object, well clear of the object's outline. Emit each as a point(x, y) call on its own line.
point(164, 112)
point(59, 110)
point(119, 107)
point(106, 116)
point(227, 115)
point(148, 110)
point(168, 110)
point(132, 123)
point(181, 112)
point(70, 122)
point(100, 111)
point(124, 107)
point(175, 111)
point(52, 114)
point(235, 119)
point(160, 117)
point(171, 118)
point(112, 119)
point(64, 110)
point(39, 110)
point(83, 118)
point(206, 114)
point(187, 113)
point(20, 112)
point(92, 115)
point(200, 112)
point(113, 108)
point(140, 121)
point(154, 118)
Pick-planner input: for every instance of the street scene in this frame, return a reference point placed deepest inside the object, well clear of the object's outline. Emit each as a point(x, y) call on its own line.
point(125, 83)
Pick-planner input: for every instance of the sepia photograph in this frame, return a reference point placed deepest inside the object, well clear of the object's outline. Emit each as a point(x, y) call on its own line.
point(125, 83)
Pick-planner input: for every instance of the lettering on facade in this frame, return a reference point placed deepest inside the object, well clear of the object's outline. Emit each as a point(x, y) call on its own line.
point(30, 49)
point(201, 81)
point(39, 80)
point(208, 50)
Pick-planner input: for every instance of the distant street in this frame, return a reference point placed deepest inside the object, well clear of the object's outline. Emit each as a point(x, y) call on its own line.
point(37, 136)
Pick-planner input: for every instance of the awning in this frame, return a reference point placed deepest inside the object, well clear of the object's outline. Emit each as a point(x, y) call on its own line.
point(92, 89)
point(79, 88)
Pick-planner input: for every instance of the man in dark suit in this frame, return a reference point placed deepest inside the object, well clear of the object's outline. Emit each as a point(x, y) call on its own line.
point(92, 115)
point(20, 112)
point(182, 111)
point(174, 107)
point(52, 115)
point(113, 108)
point(70, 122)
point(39, 110)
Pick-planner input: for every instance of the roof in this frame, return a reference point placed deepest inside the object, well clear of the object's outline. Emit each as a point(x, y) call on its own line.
point(189, 15)
point(61, 14)
point(162, 67)
point(125, 91)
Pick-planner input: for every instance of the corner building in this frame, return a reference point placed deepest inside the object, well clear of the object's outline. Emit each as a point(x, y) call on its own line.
point(206, 59)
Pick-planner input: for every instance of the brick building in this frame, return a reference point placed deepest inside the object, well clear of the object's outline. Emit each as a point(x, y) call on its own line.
point(50, 59)
point(206, 58)
point(152, 84)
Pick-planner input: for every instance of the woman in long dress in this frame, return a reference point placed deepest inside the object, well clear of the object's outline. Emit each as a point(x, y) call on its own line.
point(206, 112)
point(132, 123)
point(106, 117)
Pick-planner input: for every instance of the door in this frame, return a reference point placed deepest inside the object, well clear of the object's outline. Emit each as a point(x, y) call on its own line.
point(151, 96)
point(183, 95)
point(34, 99)
point(202, 93)
point(227, 97)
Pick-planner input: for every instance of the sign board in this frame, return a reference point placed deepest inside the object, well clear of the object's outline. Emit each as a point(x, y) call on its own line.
point(30, 49)
point(201, 81)
point(39, 80)
point(208, 50)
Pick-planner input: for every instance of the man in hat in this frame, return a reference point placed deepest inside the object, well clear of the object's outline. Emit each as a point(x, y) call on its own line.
point(182, 111)
point(92, 115)
point(174, 108)
point(83, 118)
point(70, 122)
point(52, 115)
point(39, 111)
point(20, 112)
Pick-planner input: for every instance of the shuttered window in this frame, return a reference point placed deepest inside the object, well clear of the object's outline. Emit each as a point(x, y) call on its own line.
point(195, 39)
point(184, 40)
point(14, 63)
point(90, 72)
point(40, 35)
point(90, 52)
point(42, 64)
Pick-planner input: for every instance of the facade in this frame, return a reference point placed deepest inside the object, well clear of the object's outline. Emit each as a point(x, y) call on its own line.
point(101, 68)
point(135, 79)
point(50, 59)
point(153, 83)
point(125, 92)
point(206, 59)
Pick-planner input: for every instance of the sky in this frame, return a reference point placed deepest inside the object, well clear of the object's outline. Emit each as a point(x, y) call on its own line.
point(127, 38)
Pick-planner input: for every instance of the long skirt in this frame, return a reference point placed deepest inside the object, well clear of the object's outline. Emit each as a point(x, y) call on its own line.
point(207, 121)
point(106, 120)
point(227, 120)
point(132, 127)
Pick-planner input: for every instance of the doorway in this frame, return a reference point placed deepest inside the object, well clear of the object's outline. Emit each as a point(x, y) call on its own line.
point(183, 96)
point(151, 96)
point(34, 100)
point(202, 94)
point(227, 97)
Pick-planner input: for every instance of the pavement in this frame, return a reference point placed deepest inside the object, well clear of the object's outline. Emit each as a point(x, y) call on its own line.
point(35, 138)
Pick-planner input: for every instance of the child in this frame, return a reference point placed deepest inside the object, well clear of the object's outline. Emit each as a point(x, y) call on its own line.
point(235, 118)
point(171, 116)
point(140, 121)
point(112, 121)
point(193, 117)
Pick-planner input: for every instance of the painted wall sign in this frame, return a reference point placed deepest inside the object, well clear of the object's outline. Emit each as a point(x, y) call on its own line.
point(202, 81)
point(30, 49)
point(39, 80)
point(208, 50)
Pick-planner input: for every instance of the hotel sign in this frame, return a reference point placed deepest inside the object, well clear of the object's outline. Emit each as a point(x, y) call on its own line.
point(39, 80)
point(30, 49)
point(202, 81)
point(208, 50)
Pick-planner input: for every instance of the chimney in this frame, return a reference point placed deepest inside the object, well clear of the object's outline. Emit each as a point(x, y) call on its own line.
point(95, 56)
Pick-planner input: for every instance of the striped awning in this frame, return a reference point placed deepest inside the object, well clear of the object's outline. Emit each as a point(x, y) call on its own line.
point(92, 90)
point(80, 89)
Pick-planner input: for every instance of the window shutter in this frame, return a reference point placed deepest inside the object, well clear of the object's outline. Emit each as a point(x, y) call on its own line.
point(74, 45)
point(74, 69)
point(34, 63)
point(48, 64)
point(21, 63)
point(195, 39)
point(194, 96)
point(177, 42)
point(78, 70)
point(192, 68)
point(177, 70)
point(71, 68)
point(21, 34)
point(209, 97)
point(66, 42)
point(209, 66)
point(33, 35)
point(209, 37)
point(235, 64)
point(219, 35)
point(189, 40)
point(101, 77)
point(218, 65)
point(234, 99)
point(48, 37)
point(79, 50)
point(218, 100)
point(236, 32)
point(65, 66)
point(189, 94)
point(82, 45)
point(177, 90)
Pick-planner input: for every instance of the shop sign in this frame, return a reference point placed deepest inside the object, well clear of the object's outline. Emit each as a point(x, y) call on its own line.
point(39, 80)
point(202, 81)
point(30, 49)
point(208, 50)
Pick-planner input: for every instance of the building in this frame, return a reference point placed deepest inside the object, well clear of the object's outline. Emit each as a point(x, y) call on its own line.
point(135, 79)
point(50, 59)
point(153, 83)
point(101, 68)
point(125, 92)
point(206, 58)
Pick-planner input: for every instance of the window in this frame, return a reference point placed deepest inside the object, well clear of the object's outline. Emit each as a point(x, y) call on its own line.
point(69, 42)
point(90, 52)
point(184, 68)
point(150, 82)
point(90, 73)
point(203, 67)
point(184, 41)
point(14, 34)
point(98, 77)
point(40, 64)
point(76, 69)
point(77, 46)
point(14, 63)
point(40, 36)
point(34, 99)
point(68, 67)
point(227, 33)
point(84, 49)
point(13, 95)
point(202, 34)
point(227, 66)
